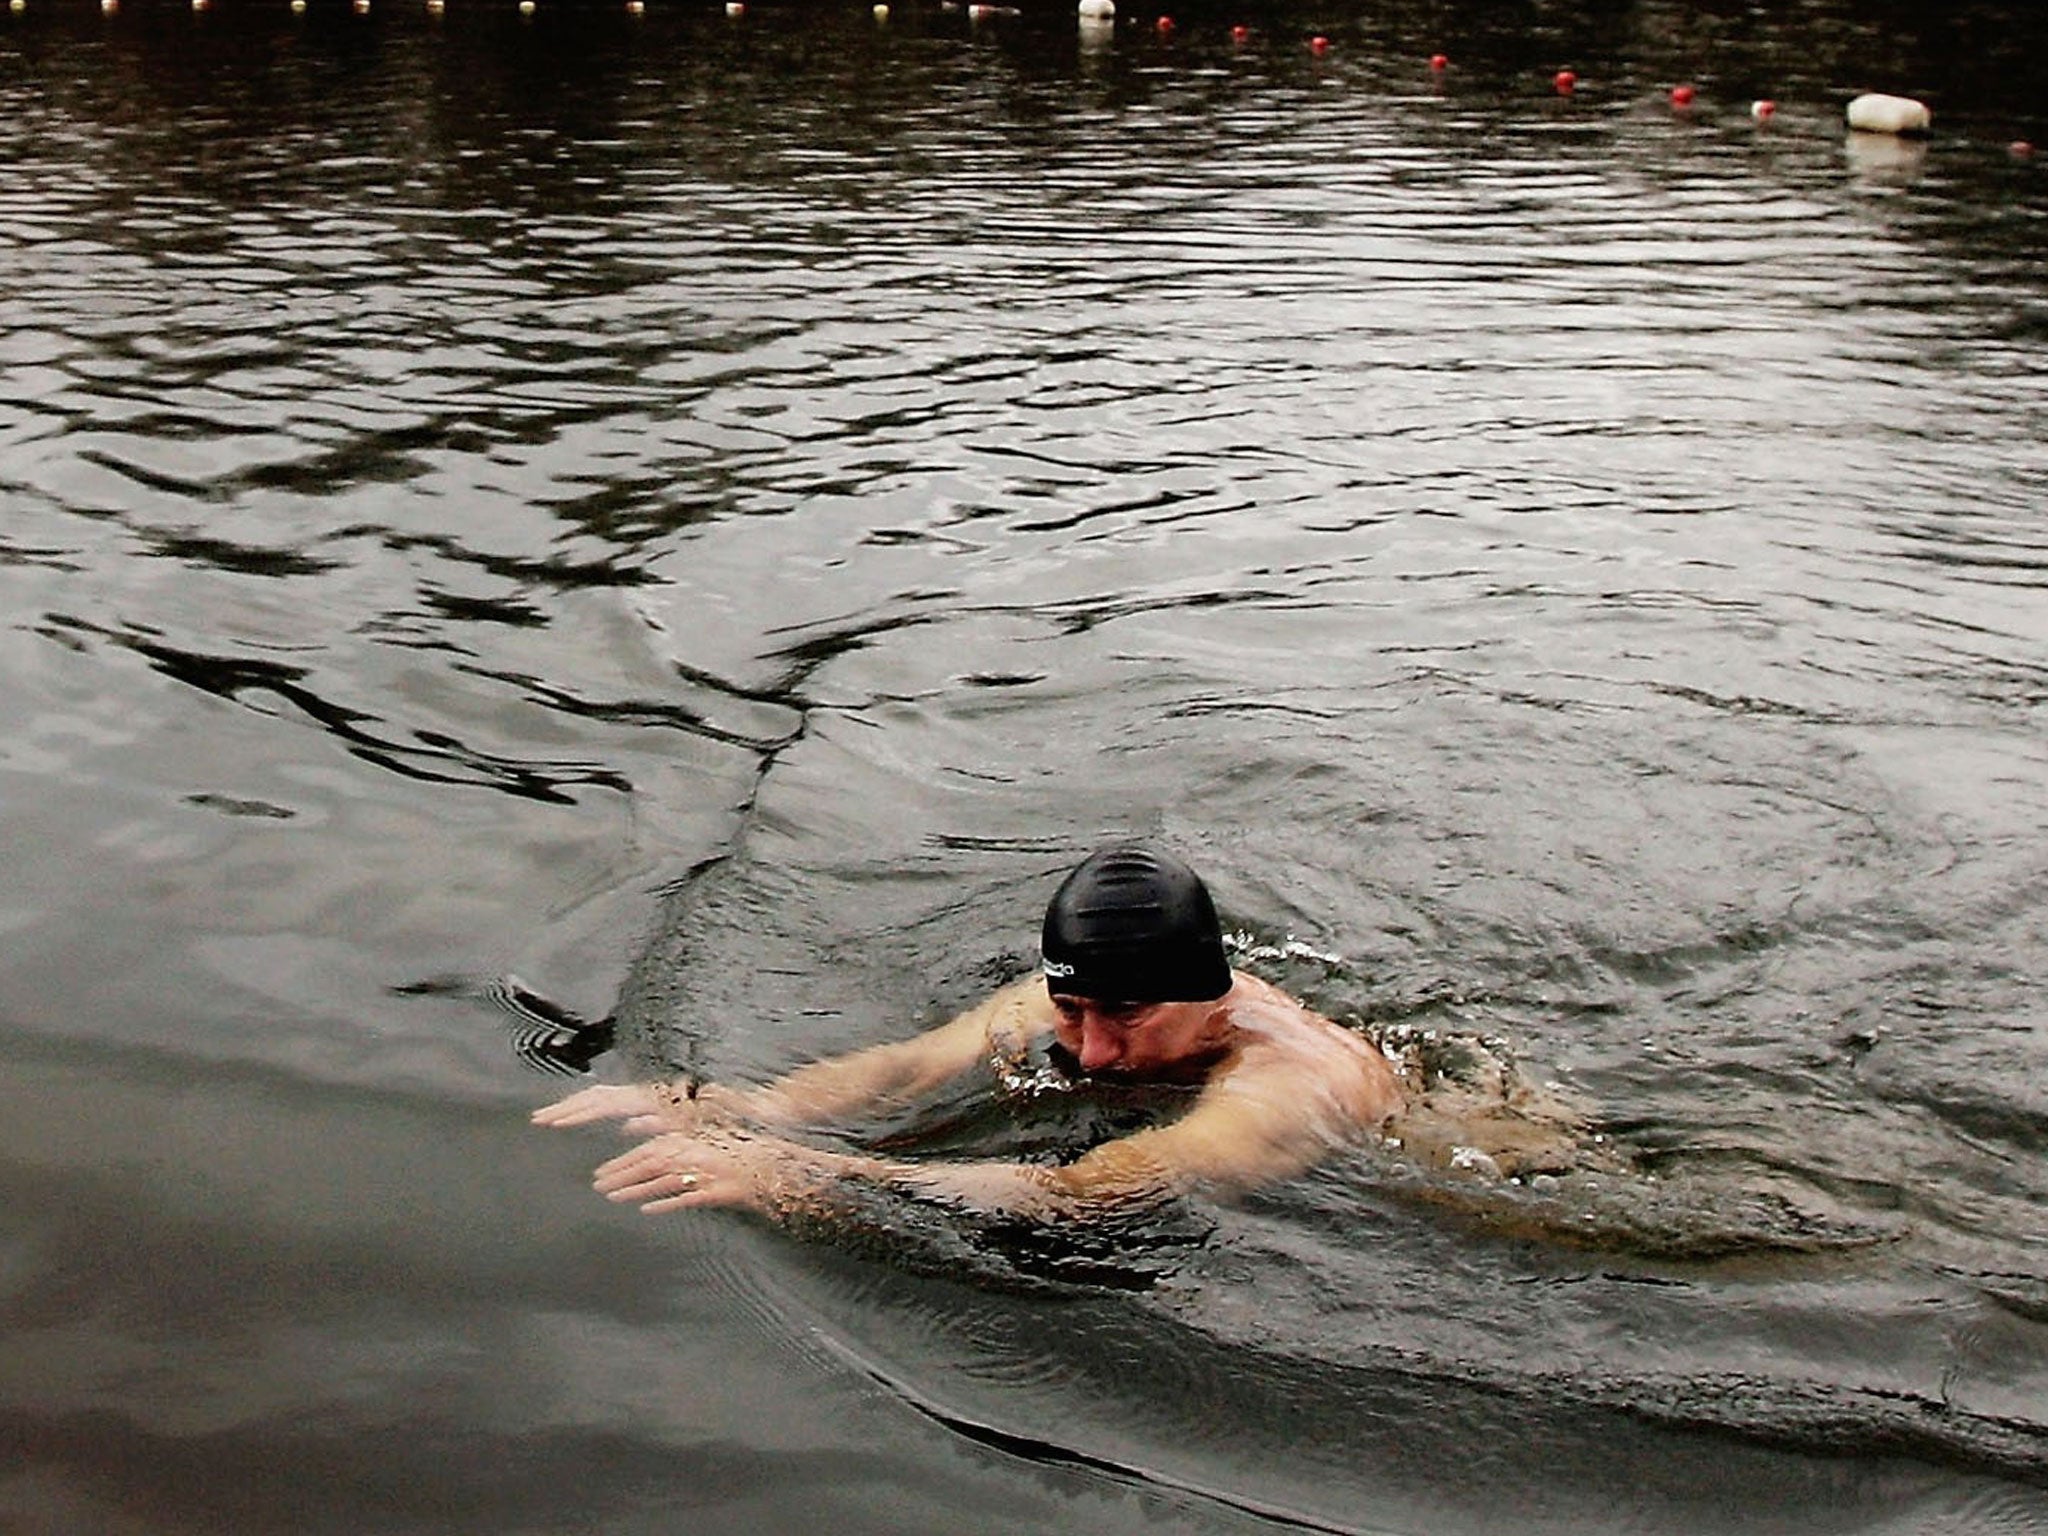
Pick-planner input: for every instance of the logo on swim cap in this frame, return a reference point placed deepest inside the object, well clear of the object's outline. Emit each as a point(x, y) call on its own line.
point(1134, 925)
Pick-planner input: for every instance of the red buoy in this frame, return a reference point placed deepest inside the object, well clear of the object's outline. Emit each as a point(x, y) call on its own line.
point(1439, 62)
point(1165, 25)
point(1763, 111)
point(1566, 82)
point(1682, 95)
point(1240, 33)
point(1319, 44)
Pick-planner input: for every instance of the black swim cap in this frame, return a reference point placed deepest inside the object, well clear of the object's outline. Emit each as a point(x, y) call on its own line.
point(1134, 926)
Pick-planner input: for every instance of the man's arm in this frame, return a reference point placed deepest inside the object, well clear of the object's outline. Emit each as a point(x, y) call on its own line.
point(1261, 1121)
point(824, 1092)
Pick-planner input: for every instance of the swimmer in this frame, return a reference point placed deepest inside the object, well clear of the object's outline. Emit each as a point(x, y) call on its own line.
point(1136, 987)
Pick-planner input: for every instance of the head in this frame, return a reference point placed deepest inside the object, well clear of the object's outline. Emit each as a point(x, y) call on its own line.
point(1133, 957)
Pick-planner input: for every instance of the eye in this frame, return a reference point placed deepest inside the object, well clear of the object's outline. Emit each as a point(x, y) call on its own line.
point(1119, 1013)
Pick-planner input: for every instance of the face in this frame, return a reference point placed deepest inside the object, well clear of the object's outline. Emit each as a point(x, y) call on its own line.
point(1130, 1037)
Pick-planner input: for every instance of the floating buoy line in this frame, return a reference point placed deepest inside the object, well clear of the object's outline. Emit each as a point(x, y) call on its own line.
point(1874, 112)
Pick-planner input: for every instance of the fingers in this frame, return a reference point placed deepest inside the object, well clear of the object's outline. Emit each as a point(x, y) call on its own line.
point(675, 1172)
point(668, 1191)
point(601, 1103)
point(694, 1198)
point(627, 1169)
point(709, 1192)
point(672, 1159)
point(674, 1169)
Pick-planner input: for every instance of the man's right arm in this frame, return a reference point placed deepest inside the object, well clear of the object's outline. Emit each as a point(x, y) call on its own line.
point(827, 1092)
point(824, 1092)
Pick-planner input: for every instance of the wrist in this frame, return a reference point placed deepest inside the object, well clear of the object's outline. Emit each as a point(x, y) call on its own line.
point(802, 1180)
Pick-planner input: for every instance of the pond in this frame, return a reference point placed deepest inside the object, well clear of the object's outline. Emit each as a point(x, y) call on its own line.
point(697, 519)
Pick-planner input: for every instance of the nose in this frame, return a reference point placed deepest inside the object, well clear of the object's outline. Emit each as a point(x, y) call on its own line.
point(1101, 1046)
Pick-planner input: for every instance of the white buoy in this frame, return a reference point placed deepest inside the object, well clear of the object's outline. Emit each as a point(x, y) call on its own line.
point(1878, 113)
point(1096, 10)
point(881, 13)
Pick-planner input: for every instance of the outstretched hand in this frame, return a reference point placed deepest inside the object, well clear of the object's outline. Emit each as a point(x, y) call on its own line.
point(648, 1109)
point(678, 1170)
point(695, 1154)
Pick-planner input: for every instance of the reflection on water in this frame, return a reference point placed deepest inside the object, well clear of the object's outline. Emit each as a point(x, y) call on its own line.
point(711, 514)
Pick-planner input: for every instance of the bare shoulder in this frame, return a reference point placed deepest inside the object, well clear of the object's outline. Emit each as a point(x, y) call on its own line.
point(1008, 1019)
point(1023, 1005)
point(1291, 1087)
point(1285, 1047)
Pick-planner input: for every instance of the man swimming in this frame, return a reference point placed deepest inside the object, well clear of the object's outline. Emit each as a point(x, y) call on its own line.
point(1135, 987)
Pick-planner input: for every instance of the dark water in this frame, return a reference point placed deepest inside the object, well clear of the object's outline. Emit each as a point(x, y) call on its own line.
point(710, 517)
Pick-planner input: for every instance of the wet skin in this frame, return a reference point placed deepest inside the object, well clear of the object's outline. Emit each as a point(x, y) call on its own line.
point(1280, 1088)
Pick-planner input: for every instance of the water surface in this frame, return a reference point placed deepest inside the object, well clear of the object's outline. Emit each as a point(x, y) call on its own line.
point(710, 516)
